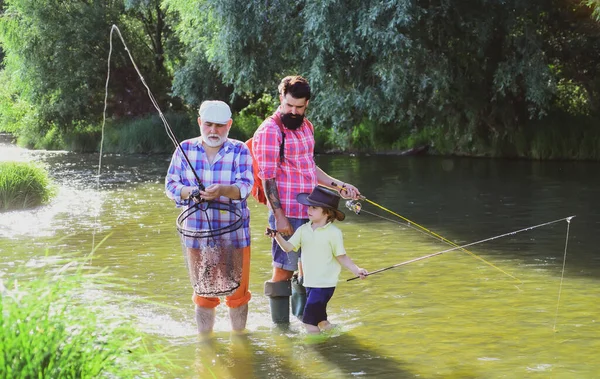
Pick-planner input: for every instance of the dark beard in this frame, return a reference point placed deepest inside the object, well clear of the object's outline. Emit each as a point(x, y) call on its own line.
point(292, 121)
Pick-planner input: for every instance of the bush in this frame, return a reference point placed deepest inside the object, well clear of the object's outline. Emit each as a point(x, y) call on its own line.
point(148, 134)
point(249, 119)
point(23, 185)
point(51, 327)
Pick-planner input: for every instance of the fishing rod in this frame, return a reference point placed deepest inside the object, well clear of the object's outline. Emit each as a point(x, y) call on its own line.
point(356, 207)
point(168, 129)
point(195, 204)
point(568, 219)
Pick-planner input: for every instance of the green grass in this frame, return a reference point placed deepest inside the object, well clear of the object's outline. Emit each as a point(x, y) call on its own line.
point(67, 324)
point(148, 135)
point(23, 185)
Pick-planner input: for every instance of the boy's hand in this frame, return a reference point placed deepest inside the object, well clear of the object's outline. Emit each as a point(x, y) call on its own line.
point(362, 273)
point(271, 232)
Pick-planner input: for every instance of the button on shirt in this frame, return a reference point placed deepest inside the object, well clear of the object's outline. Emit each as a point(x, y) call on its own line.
point(297, 173)
point(231, 165)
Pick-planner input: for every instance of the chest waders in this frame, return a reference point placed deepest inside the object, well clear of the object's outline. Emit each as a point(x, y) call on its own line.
point(279, 300)
point(279, 294)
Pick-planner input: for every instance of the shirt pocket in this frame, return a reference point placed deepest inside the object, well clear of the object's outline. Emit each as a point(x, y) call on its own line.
point(298, 145)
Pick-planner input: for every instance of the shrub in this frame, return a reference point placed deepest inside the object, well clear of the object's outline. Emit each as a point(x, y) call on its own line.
point(64, 326)
point(23, 185)
point(148, 134)
point(249, 119)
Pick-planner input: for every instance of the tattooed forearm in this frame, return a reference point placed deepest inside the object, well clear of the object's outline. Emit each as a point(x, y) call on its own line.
point(272, 194)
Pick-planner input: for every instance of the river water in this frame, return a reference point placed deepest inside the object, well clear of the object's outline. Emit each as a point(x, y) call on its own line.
point(513, 308)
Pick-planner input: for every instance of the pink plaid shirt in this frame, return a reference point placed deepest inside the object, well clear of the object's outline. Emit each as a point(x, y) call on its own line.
point(298, 171)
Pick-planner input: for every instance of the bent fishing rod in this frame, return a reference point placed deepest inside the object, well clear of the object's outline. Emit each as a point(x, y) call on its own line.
point(168, 129)
point(568, 219)
point(194, 203)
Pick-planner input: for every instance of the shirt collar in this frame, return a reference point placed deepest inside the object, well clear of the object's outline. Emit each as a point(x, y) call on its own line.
point(322, 227)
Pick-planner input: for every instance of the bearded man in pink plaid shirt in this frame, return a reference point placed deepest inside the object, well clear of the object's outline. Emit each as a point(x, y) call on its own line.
point(283, 148)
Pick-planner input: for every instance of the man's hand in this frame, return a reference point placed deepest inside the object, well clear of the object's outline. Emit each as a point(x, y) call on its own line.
point(348, 191)
point(195, 195)
point(282, 224)
point(214, 191)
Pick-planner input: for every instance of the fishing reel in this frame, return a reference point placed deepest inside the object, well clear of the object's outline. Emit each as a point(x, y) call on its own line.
point(354, 205)
point(195, 195)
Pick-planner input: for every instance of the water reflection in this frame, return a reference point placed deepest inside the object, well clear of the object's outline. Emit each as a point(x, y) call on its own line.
point(447, 316)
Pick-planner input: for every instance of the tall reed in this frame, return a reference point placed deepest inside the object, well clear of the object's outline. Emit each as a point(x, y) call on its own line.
point(67, 325)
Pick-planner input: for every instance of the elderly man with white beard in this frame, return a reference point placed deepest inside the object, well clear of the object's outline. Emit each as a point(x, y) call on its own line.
point(218, 262)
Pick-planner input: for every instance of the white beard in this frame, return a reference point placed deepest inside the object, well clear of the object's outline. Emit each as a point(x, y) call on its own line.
point(213, 143)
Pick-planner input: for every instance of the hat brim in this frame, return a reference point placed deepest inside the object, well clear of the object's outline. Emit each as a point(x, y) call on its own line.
point(303, 199)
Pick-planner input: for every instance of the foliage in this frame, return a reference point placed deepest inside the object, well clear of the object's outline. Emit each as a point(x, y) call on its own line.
point(63, 325)
point(467, 75)
point(249, 119)
point(197, 78)
point(148, 135)
point(477, 69)
point(23, 185)
point(56, 62)
point(561, 136)
point(595, 5)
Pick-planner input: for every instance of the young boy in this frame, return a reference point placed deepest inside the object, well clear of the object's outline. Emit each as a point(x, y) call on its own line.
point(323, 254)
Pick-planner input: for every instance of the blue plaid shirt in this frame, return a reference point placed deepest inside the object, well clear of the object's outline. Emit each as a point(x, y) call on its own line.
point(231, 165)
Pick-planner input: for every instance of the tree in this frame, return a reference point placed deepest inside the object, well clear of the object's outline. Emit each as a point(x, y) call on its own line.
point(478, 68)
point(56, 60)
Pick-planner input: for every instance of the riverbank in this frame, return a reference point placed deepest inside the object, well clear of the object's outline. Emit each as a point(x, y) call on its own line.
point(7, 139)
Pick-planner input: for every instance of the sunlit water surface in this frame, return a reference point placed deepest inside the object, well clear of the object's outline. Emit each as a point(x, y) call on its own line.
point(448, 316)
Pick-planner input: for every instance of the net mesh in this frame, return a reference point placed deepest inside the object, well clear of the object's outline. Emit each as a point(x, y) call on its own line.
point(215, 268)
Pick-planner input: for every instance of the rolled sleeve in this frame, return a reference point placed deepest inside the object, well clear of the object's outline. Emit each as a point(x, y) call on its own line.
point(266, 145)
point(173, 181)
point(244, 177)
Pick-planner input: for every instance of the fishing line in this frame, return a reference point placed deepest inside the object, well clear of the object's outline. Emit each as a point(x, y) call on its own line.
point(357, 209)
point(467, 245)
point(102, 140)
point(436, 237)
point(188, 212)
point(152, 99)
point(96, 213)
point(399, 223)
point(562, 275)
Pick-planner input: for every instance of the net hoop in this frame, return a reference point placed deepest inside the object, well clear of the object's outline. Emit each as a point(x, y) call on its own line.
point(209, 233)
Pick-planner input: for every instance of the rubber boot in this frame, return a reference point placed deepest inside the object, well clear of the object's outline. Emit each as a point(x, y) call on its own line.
point(279, 299)
point(205, 318)
point(298, 296)
point(238, 317)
